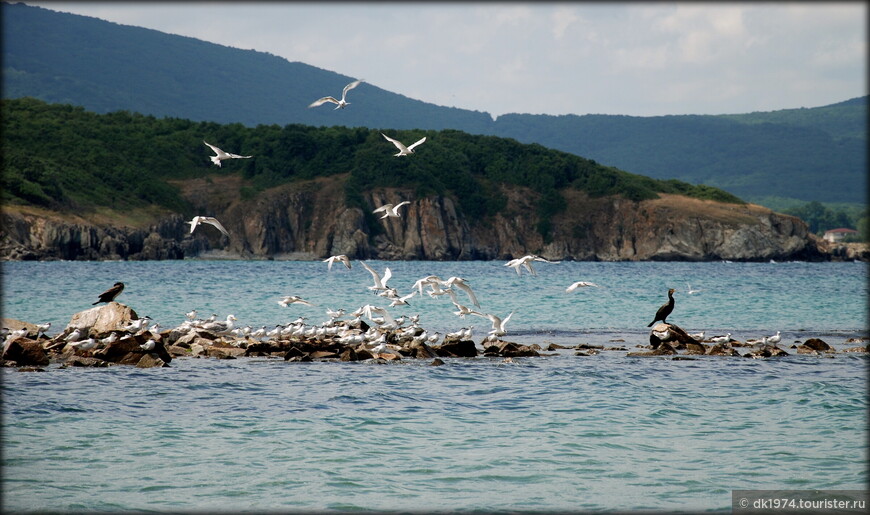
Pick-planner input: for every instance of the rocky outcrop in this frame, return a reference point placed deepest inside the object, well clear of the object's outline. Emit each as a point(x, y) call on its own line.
point(311, 220)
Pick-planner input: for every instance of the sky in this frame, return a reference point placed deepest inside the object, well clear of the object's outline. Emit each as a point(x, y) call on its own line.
point(638, 59)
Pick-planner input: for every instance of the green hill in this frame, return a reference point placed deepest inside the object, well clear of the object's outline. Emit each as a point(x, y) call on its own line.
point(65, 158)
point(813, 154)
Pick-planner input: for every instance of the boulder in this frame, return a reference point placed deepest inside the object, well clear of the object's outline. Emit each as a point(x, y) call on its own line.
point(817, 345)
point(722, 349)
point(26, 352)
point(14, 325)
point(150, 360)
point(112, 316)
point(457, 348)
point(664, 349)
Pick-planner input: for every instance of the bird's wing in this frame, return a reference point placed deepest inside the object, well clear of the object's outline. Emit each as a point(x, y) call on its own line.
point(399, 145)
point(349, 87)
point(236, 156)
point(328, 262)
point(400, 204)
point(505, 321)
point(418, 142)
point(213, 221)
point(467, 289)
point(376, 276)
point(573, 287)
point(385, 207)
point(216, 150)
point(344, 259)
point(193, 223)
point(321, 101)
point(387, 274)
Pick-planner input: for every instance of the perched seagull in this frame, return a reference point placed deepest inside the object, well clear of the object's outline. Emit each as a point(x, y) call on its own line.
point(773, 340)
point(291, 299)
point(88, 344)
point(580, 284)
point(380, 283)
point(191, 314)
point(462, 285)
point(221, 327)
point(721, 339)
point(42, 328)
point(403, 150)
point(341, 104)
point(332, 259)
point(221, 155)
point(697, 336)
point(108, 340)
point(207, 220)
point(73, 336)
point(110, 294)
point(390, 209)
point(149, 345)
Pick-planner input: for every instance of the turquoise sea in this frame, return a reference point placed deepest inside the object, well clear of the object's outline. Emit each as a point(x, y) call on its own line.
point(561, 432)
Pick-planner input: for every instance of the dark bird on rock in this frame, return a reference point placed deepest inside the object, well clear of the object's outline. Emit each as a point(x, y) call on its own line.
point(665, 310)
point(110, 294)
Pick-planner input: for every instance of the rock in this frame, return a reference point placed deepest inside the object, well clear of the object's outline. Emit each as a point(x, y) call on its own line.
point(722, 349)
point(26, 352)
point(865, 348)
point(437, 362)
point(150, 360)
point(15, 325)
point(664, 349)
point(818, 345)
point(457, 349)
point(323, 354)
point(83, 361)
point(348, 354)
point(512, 350)
point(112, 316)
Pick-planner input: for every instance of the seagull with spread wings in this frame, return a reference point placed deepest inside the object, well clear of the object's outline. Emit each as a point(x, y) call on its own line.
point(220, 155)
point(403, 150)
point(207, 220)
point(340, 104)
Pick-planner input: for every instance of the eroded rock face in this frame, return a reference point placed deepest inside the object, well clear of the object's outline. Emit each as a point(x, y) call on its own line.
point(112, 316)
point(311, 220)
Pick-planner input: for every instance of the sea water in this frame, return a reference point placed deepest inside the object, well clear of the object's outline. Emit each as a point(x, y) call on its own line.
point(560, 432)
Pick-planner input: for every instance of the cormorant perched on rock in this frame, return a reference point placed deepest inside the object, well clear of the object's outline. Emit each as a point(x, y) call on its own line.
point(665, 310)
point(110, 294)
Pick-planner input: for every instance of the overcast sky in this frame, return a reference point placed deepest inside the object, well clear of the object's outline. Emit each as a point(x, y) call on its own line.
point(640, 59)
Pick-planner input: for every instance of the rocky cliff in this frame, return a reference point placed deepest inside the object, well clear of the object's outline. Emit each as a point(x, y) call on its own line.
point(311, 220)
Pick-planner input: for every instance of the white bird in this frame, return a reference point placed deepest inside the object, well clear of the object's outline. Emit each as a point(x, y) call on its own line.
point(402, 301)
point(526, 261)
point(88, 344)
point(697, 336)
point(774, 339)
point(580, 284)
point(403, 150)
point(721, 339)
point(690, 291)
point(191, 314)
point(332, 259)
point(149, 345)
point(464, 286)
point(291, 299)
point(42, 328)
point(206, 220)
point(221, 155)
point(108, 340)
point(430, 280)
point(463, 310)
point(73, 336)
point(498, 324)
point(221, 327)
point(380, 283)
point(390, 209)
point(340, 104)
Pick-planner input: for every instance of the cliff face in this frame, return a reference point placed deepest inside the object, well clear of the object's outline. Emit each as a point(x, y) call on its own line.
point(310, 220)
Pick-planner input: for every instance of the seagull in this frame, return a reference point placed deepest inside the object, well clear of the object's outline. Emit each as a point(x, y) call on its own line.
point(207, 220)
point(526, 261)
point(721, 339)
point(341, 104)
point(464, 310)
point(42, 328)
point(774, 339)
point(580, 284)
point(403, 150)
point(390, 209)
point(690, 291)
point(73, 336)
point(290, 299)
point(332, 259)
point(402, 301)
point(108, 340)
point(149, 345)
point(88, 344)
point(221, 155)
point(697, 336)
point(665, 309)
point(498, 324)
point(221, 327)
point(110, 294)
point(191, 314)
point(462, 285)
point(380, 283)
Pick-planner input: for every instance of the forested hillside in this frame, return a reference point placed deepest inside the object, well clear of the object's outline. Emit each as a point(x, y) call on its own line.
point(814, 154)
point(65, 158)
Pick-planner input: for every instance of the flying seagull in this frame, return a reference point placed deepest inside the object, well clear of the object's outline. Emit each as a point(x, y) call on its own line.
point(390, 209)
point(221, 155)
point(580, 284)
point(403, 150)
point(332, 259)
point(207, 220)
point(110, 294)
point(291, 299)
point(340, 104)
point(380, 283)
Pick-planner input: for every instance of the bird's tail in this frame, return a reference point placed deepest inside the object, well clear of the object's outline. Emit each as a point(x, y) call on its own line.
point(95, 303)
point(651, 323)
